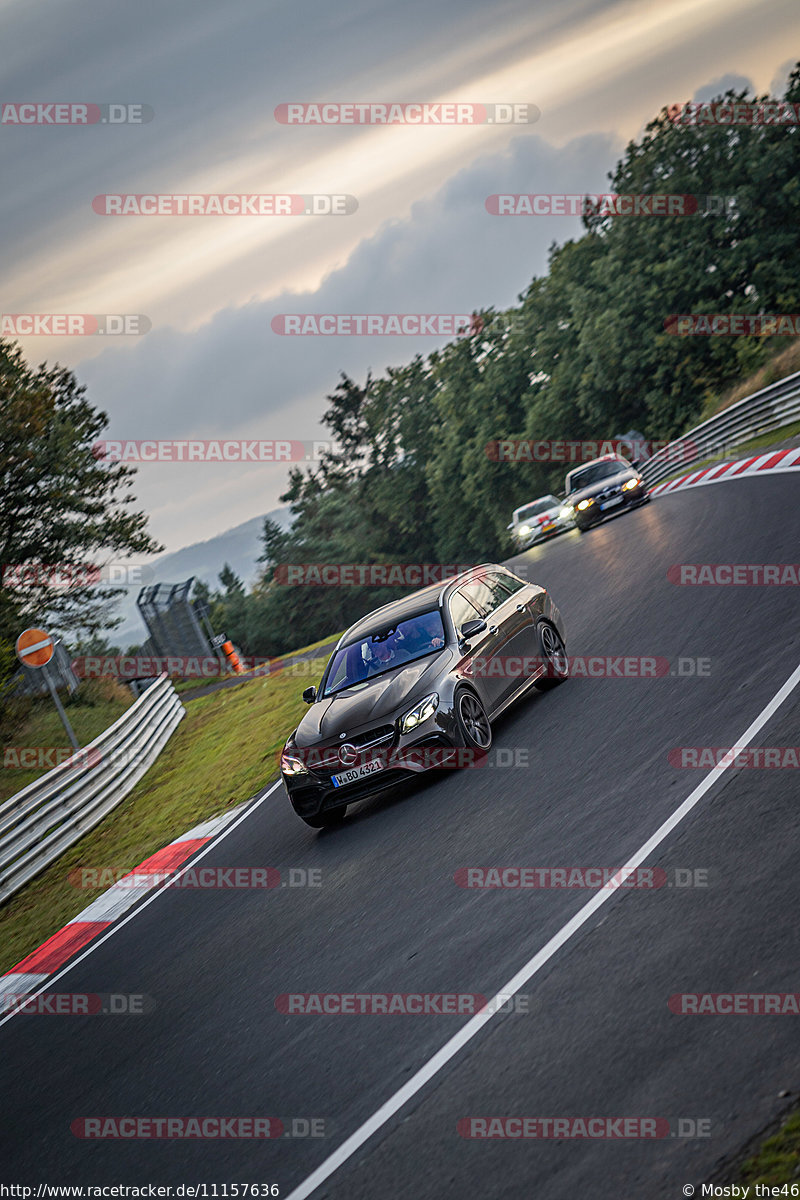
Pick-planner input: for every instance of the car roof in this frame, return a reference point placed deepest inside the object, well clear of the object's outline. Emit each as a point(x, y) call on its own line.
point(423, 600)
point(602, 458)
point(538, 500)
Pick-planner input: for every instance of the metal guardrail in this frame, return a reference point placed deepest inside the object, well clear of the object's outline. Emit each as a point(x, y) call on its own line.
point(50, 814)
point(772, 407)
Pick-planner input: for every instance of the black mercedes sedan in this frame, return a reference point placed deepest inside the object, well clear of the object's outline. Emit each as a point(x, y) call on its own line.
point(602, 488)
point(416, 684)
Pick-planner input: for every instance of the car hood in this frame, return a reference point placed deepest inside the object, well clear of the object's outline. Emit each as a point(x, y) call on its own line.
point(534, 521)
point(595, 488)
point(377, 701)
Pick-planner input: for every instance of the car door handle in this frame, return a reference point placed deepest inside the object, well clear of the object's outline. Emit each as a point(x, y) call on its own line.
point(493, 629)
point(521, 607)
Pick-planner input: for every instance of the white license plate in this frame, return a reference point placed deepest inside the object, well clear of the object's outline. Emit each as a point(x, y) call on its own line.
point(611, 503)
point(354, 773)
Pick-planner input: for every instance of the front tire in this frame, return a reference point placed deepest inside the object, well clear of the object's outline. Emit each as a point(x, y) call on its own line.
point(474, 729)
point(554, 655)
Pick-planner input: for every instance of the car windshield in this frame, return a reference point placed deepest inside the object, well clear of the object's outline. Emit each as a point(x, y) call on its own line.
point(595, 473)
point(533, 510)
point(383, 649)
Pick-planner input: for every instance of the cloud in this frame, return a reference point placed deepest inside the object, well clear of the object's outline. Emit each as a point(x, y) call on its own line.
point(420, 242)
point(725, 83)
point(780, 79)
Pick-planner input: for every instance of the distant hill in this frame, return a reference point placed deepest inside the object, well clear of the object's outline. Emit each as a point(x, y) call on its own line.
point(239, 547)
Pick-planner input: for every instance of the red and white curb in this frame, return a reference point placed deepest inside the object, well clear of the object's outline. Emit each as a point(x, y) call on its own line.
point(33, 970)
point(775, 460)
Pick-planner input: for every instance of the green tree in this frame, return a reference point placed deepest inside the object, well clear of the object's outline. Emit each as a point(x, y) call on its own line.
point(62, 509)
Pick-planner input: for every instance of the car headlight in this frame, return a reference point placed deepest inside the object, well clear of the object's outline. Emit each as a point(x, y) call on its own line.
point(523, 530)
point(292, 764)
point(566, 512)
point(419, 713)
point(585, 504)
point(631, 484)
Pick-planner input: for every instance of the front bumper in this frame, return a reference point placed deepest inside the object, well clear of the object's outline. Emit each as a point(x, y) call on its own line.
point(595, 513)
point(543, 535)
point(430, 746)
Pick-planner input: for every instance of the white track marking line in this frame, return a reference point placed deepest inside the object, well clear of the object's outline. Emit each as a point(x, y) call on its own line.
point(476, 1023)
point(115, 928)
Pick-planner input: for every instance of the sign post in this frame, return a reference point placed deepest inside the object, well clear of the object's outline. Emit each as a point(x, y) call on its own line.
point(34, 649)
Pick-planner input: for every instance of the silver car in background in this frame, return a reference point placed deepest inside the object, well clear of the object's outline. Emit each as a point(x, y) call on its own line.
point(538, 520)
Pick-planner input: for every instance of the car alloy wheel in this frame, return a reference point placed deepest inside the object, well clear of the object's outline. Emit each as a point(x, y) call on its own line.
point(554, 654)
point(472, 721)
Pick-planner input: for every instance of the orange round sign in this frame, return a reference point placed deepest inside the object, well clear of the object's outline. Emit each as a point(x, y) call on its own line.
point(34, 648)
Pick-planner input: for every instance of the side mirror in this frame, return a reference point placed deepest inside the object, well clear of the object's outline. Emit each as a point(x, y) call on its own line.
point(310, 694)
point(469, 630)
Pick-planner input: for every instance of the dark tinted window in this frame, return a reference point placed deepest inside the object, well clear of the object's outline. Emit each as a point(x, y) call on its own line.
point(385, 649)
point(594, 473)
point(486, 592)
point(510, 584)
point(461, 610)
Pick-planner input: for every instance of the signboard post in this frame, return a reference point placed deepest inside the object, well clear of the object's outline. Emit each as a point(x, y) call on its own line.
point(34, 649)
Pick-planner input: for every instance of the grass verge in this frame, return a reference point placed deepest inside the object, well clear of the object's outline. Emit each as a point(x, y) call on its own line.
point(775, 1163)
point(224, 750)
point(780, 364)
point(36, 731)
point(189, 688)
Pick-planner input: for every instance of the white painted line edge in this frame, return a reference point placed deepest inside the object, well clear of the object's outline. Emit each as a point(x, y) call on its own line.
point(476, 1023)
point(257, 801)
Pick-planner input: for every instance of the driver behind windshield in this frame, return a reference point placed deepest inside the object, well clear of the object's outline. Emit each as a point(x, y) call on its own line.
point(384, 653)
point(424, 635)
point(416, 637)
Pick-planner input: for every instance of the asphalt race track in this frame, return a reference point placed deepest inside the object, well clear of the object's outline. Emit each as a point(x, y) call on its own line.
point(599, 1039)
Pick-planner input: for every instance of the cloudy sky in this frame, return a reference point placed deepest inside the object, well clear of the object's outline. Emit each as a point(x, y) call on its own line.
point(420, 241)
